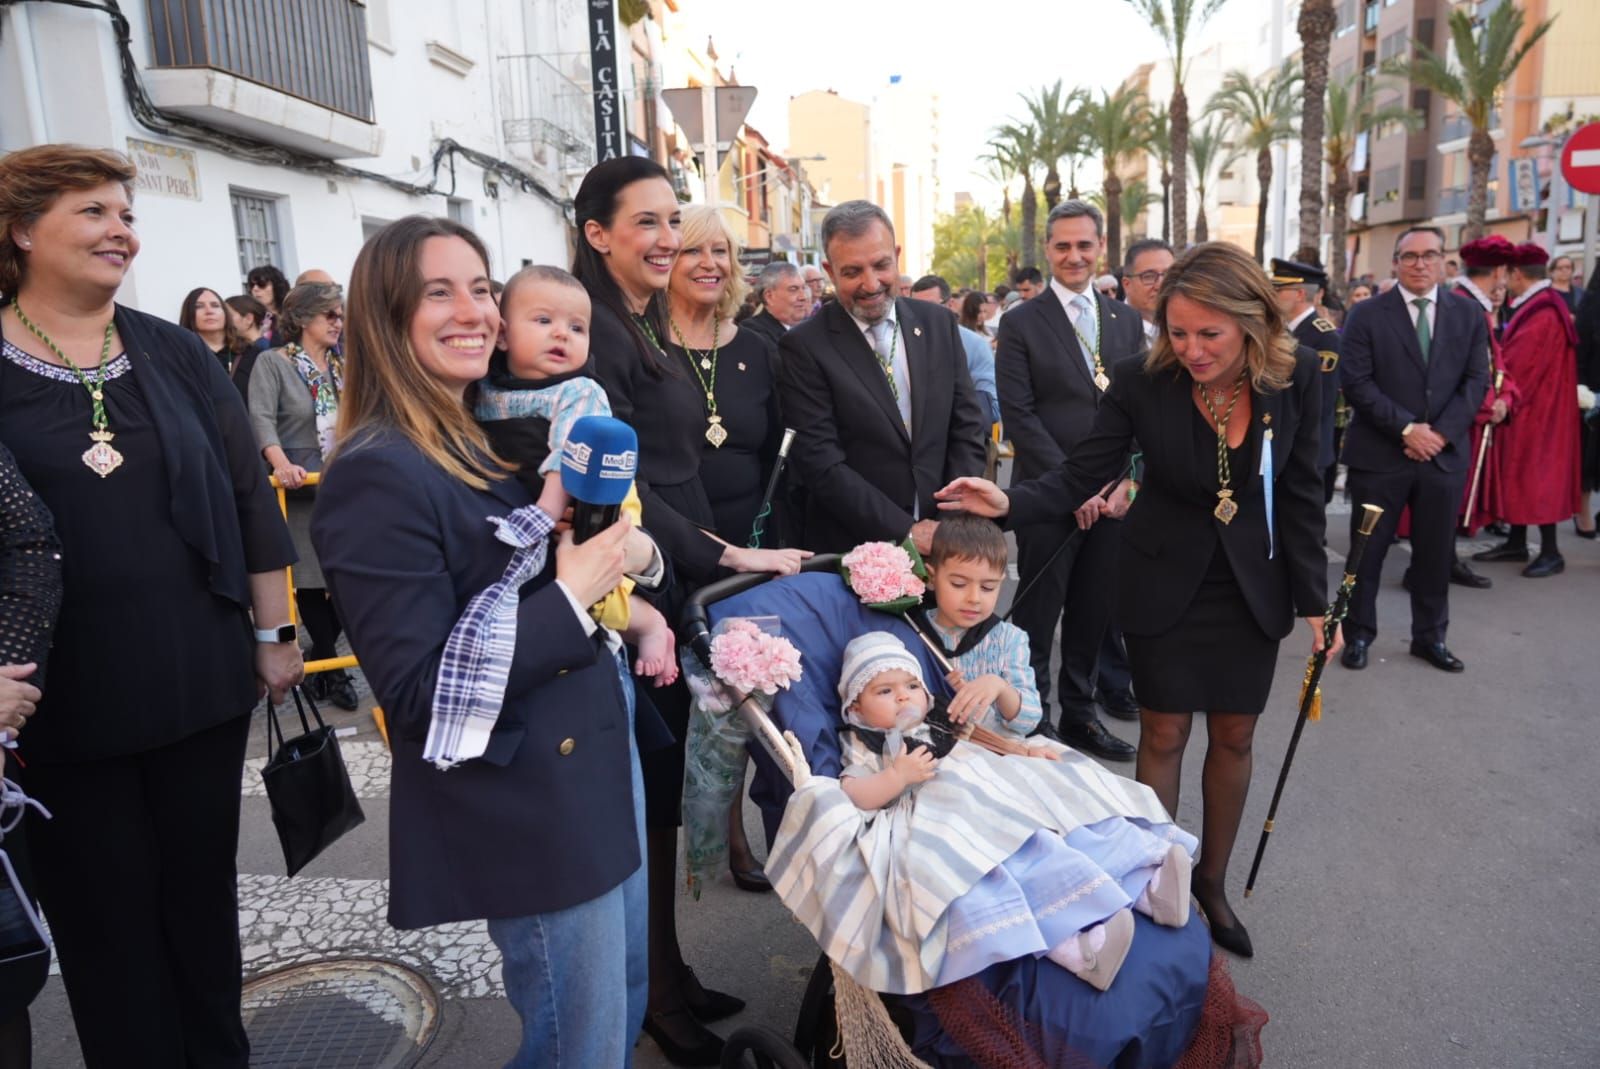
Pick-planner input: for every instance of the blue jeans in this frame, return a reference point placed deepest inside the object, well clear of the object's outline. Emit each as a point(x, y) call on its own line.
point(564, 969)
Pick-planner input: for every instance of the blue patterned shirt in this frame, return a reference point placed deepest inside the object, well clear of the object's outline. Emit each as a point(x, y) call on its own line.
point(1004, 653)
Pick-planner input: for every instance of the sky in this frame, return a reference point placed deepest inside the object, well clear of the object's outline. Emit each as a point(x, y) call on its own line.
point(978, 57)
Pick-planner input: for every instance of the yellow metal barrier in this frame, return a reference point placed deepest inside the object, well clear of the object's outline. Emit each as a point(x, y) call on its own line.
point(327, 664)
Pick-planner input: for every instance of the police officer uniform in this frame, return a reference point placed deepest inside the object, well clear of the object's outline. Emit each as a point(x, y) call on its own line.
point(1320, 336)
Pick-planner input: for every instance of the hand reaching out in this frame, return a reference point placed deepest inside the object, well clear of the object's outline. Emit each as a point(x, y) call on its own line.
point(973, 698)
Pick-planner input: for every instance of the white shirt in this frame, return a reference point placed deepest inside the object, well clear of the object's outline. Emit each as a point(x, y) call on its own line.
point(1542, 284)
point(1470, 288)
point(1150, 330)
point(1302, 317)
point(1433, 306)
point(1067, 296)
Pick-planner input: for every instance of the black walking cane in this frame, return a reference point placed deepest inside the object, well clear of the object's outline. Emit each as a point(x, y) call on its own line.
point(1310, 689)
point(759, 527)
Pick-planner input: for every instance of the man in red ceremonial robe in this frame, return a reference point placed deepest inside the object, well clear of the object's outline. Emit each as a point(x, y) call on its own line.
point(1486, 260)
point(1540, 459)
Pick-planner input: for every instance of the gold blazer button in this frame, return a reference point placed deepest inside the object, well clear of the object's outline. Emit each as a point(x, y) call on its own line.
point(567, 746)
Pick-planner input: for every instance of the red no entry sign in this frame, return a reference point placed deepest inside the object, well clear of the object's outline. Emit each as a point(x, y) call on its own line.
point(1580, 159)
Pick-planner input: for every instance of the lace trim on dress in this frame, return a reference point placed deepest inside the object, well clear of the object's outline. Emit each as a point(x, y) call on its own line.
point(28, 362)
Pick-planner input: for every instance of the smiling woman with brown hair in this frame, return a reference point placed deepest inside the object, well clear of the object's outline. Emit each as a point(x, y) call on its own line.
point(1222, 547)
point(132, 435)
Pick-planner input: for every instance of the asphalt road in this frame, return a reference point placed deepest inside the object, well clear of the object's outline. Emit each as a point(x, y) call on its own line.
point(1428, 898)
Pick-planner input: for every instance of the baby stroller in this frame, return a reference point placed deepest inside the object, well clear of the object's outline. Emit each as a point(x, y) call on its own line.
point(1172, 1004)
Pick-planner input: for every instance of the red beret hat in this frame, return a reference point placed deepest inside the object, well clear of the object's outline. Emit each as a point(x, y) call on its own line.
point(1531, 254)
point(1491, 251)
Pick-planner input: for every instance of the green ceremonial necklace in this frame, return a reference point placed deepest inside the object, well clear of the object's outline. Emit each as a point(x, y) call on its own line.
point(1226, 508)
point(716, 434)
point(102, 457)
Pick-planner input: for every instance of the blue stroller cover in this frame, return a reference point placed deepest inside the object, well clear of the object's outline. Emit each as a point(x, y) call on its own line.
point(1145, 1019)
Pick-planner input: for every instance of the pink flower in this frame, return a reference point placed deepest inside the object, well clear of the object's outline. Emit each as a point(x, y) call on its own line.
point(882, 572)
point(749, 660)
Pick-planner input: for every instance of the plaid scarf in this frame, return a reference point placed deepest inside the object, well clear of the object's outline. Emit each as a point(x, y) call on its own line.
point(476, 662)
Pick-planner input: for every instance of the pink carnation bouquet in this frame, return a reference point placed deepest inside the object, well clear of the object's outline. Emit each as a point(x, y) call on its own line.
point(885, 576)
point(750, 659)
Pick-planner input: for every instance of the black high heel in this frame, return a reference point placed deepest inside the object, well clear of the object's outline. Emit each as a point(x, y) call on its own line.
point(706, 1005)
point(1230, 937)
point(1590, 535)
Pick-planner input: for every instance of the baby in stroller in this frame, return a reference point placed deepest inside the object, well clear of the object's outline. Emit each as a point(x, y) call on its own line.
point(992, 857)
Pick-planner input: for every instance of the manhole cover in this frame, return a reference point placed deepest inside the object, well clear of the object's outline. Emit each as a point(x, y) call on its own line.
point(354, 1013)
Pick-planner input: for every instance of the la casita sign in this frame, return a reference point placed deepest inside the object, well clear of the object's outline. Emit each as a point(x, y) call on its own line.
point(608, 135)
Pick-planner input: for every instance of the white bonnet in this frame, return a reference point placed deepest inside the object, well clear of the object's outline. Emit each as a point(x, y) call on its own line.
point(869, 655)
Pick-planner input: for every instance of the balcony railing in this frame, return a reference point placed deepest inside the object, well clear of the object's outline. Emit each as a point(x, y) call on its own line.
point(1452, 201)
point(549, 110)
point(315, 50)
point(1456, 127)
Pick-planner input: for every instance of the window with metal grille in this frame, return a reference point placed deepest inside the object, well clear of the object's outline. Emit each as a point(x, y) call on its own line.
point(255, 225)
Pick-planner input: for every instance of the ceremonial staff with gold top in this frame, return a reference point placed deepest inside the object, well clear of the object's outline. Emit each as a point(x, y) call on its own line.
point(1311, 687)
point(1483, 455)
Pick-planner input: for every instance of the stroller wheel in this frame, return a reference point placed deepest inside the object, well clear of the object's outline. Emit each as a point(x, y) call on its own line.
point(760, 1048)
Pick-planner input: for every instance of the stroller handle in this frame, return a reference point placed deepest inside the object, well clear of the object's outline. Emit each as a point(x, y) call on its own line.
point(694, 631)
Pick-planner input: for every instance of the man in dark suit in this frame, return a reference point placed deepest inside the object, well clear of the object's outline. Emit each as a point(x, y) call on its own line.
point(1414, 370)
point(1300, 287)
point(1052, 363)
point(785, 301)
point(879, 393)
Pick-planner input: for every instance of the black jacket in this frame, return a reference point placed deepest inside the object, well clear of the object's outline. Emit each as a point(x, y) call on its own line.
point(765, 324)
point(1388, 385)
point(862, 472)
point(1322, 338)
point(535, 824)
point(1170, 534)
point(1047, 393)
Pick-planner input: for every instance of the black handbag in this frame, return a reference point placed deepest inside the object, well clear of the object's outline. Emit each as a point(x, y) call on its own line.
point(307, 785)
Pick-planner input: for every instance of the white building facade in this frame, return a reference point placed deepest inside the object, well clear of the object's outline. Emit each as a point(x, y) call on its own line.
point(292, 138)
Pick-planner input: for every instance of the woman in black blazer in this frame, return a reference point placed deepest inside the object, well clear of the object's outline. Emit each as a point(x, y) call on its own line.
point(541, 834)
point(628, 219)
point(1218, 558)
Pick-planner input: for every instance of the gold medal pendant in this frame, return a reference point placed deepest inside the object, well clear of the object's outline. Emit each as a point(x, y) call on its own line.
point(1101, 382)
point(1226, 508)
point(102, 458)
point(716, 434)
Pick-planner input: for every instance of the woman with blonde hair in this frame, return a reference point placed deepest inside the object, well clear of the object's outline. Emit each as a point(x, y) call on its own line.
point(1222, 548)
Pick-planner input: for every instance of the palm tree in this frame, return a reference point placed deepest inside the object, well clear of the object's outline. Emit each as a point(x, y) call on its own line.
point(1136, 198)
point(1210, 152)
point(1015, 148)
point(1159, 135)
point(1351, 113)
point(1317, 23)
point(1117, 124)
point(1486, 58)
point(1264, 112)
point(1174, 21)
point(1054, 120)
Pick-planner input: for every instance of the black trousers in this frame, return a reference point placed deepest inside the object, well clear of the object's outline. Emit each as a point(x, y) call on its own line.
point(136, 875)
point(1435, 499)
point(1115, 676)
point(1078, 591)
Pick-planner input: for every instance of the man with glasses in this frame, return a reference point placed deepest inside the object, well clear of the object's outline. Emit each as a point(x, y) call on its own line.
point(817, 283)
point(1414, 371)
point(1144, 269)
point(1053, 361)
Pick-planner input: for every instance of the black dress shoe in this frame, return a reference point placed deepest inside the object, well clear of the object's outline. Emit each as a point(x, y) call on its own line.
point(753, 880)
point(1230, 937)
point(1589, 534)
point(1354, 656)
point(1545, 564)
point(1121, 705)
point(706, 1005)
point(1461, 575)
point(1045, 730)
point(340, 689)
point(1438, 655)
point(1092, 737)
point(684, 1040)
point(1504, 551)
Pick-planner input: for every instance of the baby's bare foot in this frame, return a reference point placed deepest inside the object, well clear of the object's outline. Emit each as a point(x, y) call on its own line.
point(656, 659)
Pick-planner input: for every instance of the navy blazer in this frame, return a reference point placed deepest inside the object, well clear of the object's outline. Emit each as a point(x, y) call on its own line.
point(862, 472)
point(1170, 534)
point(1047, 393)
point(544, 820)
point(1388, 385)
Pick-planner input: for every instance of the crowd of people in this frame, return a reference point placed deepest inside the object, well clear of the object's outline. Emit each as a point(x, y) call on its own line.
point(1177, 424)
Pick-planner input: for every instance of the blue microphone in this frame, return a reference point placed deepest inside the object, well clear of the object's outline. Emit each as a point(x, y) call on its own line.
point(598, 462)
